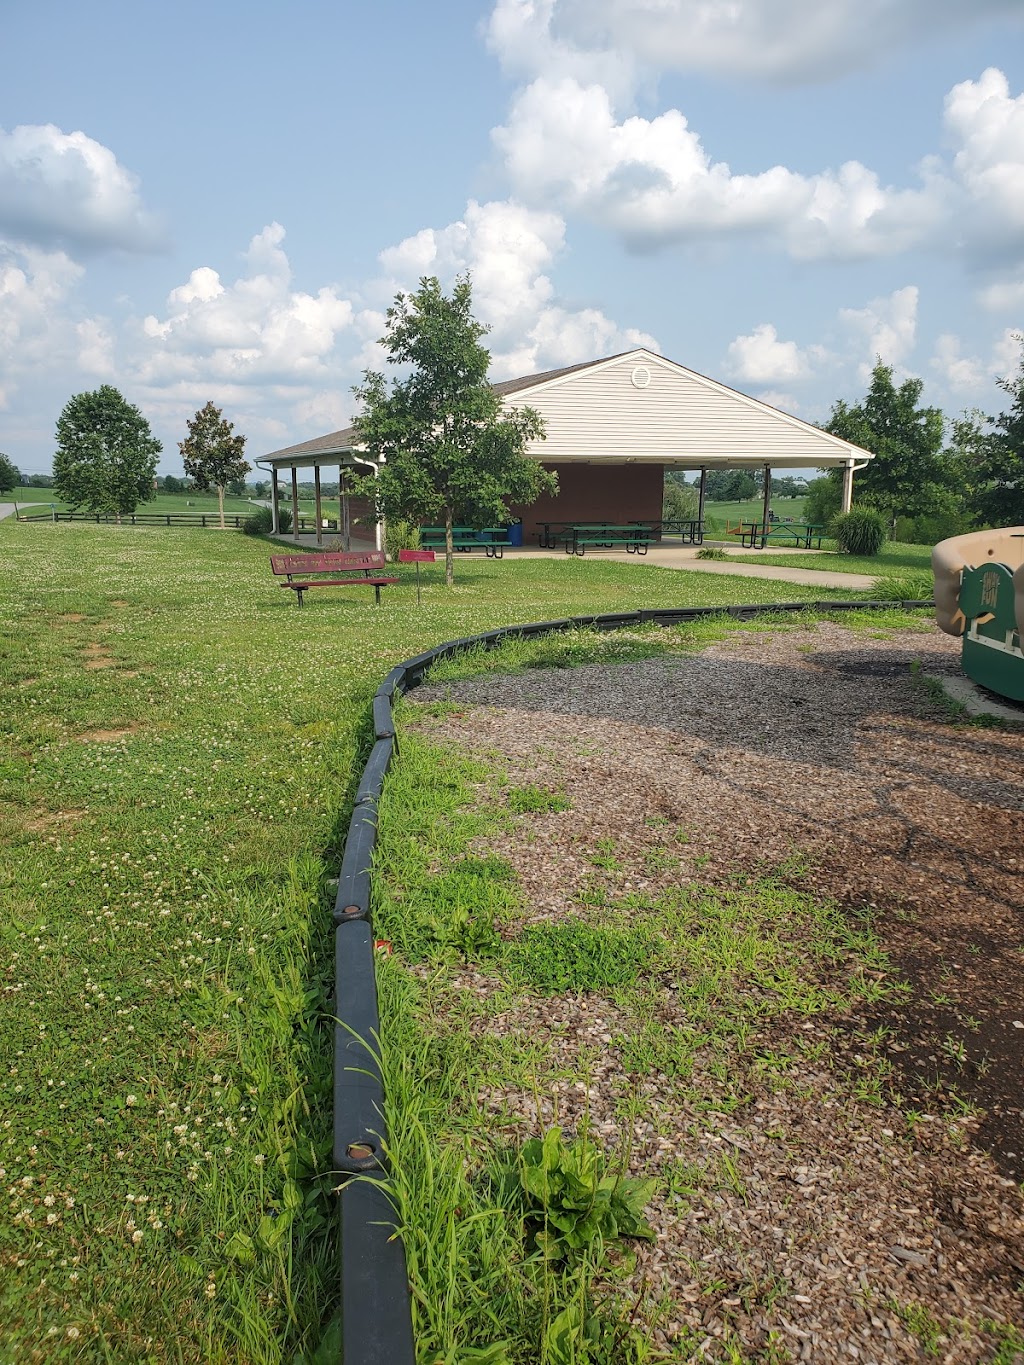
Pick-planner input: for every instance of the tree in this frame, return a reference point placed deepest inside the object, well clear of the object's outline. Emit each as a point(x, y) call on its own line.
point(212, 457)
point(730, 485)
point(237, 487)
point(680, 501)
point(910, 475)
point(999, 456)
point(106, 454)
point(170, 483)
point(447, 452)
point(824, 499)
point(10, 475)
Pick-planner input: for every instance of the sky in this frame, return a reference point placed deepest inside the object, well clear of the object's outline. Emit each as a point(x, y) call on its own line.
point(219, 201)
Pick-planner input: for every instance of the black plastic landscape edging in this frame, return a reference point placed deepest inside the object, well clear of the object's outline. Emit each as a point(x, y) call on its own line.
point(376, 1315)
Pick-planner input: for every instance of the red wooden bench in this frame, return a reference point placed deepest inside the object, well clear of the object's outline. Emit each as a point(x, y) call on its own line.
point(367, 564)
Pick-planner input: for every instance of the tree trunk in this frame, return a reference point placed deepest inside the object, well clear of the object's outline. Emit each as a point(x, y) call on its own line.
point(220, 501)
point(449, 549)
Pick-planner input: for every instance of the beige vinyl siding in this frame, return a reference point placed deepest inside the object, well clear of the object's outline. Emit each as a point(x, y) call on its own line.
point(599, 414)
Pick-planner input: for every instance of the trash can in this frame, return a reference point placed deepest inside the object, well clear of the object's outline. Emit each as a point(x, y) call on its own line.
point(515, 533)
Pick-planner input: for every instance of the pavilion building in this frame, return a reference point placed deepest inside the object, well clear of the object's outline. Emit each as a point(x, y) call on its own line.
point(612, 429)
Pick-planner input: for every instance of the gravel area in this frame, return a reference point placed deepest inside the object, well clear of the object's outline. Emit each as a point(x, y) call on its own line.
point(847, 1206)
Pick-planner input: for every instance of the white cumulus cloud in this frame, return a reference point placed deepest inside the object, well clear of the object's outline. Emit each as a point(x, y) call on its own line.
point(66, 190)
point(885, 328)
point(509, 250)
point(36, 332)
point(785, 41)
point(762, 358)
point(255, 330)
point(654, 182)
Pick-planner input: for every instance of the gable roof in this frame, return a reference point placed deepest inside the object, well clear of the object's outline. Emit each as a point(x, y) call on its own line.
point(635, 407)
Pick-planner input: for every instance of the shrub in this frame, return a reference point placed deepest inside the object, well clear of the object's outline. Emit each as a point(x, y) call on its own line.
point(929, 530)
point(400, 535)
point(710, 552)
point(261, 522)
point(861, 531)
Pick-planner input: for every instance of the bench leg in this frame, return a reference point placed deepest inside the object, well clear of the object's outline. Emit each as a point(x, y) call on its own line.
point(298, 594)
point(376, 589)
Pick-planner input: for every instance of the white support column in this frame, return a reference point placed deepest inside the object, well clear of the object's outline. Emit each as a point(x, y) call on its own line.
point(378, 525)
point(847, 486)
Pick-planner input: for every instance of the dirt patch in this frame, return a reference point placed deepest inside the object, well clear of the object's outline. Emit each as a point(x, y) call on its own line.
point(42, 821)
point(97, 655)
point(106, 736)
point(69, 617)
point(866, 1205)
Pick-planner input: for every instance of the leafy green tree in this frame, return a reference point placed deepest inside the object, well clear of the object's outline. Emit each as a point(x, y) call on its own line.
point(106, 454)
point(824, 499)
point(730, 485)
point(448, 453)
point(910, 475)
point(10, 474)
point(212, 456)
point(999, 456)
point(680, 501)
point(170, 483)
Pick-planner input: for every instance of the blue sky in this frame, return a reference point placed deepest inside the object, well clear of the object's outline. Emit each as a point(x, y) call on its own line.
point(219, 201)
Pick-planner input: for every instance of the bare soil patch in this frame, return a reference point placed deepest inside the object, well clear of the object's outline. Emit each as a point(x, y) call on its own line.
point(107, 736)
point(862, 1204)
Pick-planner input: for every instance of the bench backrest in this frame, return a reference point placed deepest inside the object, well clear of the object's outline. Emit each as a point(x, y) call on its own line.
point(329, 561)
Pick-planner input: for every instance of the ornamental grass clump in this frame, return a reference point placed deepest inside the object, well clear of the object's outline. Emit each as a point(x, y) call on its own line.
point(261, 522)
point(861, 531)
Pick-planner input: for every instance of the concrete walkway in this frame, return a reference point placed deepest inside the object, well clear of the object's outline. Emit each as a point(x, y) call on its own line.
point(685, 557)
point(7, 509)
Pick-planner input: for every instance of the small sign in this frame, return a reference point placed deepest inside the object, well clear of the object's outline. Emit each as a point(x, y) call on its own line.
point(416, 556)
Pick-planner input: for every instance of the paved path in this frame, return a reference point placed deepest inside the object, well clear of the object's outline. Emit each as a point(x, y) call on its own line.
point(7, 509)
point(684, 557)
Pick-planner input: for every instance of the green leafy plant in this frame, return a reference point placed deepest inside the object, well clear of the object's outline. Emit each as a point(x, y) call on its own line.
point(572, 1206)
point(710, 552)
point(531, 800)
point(576, 955)
point(861, 531)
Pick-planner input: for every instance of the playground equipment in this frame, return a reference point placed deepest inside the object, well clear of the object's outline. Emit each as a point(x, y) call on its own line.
point(979, 595)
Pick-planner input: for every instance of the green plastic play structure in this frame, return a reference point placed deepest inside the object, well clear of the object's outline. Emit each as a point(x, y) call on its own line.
point(979, 595)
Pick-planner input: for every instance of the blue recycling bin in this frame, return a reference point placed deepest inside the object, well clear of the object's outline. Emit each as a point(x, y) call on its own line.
point(515, 533)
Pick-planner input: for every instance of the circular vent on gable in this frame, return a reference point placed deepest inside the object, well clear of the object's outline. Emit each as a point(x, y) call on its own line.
point(641, 377)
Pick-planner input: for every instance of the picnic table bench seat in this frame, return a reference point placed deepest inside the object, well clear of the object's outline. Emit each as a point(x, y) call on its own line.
point(362, 569)
point(634, 538)
point(493, 540)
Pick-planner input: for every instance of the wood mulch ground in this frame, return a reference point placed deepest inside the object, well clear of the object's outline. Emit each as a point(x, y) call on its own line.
point(824, 1228)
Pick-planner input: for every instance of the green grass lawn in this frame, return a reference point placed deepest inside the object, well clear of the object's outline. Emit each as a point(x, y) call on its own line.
point(893, 560)
point(720, 514)
point(178, 745)
point(168, 502)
